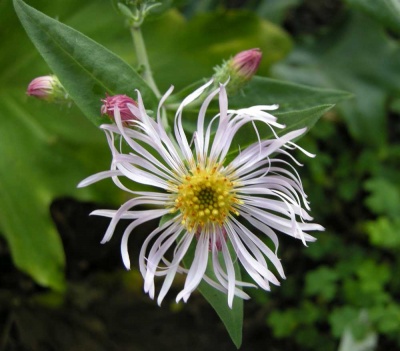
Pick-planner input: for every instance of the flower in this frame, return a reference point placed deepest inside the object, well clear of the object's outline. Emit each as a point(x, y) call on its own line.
point(47, 88)
point(111, 103)
point(206, 201)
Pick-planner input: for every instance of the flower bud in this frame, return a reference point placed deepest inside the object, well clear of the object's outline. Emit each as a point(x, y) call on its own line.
point(239, 69)
point(246, 63)
point(121, 102)
point(47, 88)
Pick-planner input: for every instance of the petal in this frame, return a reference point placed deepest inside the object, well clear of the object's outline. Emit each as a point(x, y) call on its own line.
point(197, 269)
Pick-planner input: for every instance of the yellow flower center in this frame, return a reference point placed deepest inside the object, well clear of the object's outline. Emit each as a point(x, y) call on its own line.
point(206, 196)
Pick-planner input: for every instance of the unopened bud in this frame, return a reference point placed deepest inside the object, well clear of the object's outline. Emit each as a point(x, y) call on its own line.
point(239, 69)
point(47, 88)
point(110, 103)
point(246, 63)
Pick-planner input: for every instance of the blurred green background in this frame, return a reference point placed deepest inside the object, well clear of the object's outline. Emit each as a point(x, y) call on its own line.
point(61, 290)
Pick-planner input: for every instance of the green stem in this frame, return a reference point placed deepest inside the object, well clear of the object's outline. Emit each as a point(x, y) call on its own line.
point(143, 61)
point(142, 58)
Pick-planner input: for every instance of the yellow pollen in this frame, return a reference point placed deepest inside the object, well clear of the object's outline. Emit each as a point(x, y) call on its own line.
point(204, 197)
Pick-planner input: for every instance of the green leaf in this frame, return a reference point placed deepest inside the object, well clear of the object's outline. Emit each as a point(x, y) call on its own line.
point(359, 336)
point(232, 318)
point(86, 69)
point(293, 120)
point(289, 96)
point(386, 318)
point(384, 232)
point(373, 276)
point(39, 162)
point(46, 150)
point(384, 197)
point(300, 106)
point(283, 323)
point(322, 282)
point(341, 318)
point(342, 59)
point(386, 12)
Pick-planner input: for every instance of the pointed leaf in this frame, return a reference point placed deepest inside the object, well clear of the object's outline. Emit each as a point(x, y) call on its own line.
point(289, 96)
point(293, 120)
point(86, 69)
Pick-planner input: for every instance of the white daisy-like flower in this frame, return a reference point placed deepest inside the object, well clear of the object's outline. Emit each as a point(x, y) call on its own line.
point(211, 204)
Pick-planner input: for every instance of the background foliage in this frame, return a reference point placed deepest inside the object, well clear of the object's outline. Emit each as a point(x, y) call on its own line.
point(344, 283)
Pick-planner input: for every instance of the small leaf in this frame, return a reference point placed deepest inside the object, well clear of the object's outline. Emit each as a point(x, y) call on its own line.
point(341, 318)
point(384, 232)
point(86, 69)
point(386, 318)
point(359, 336)
point(322, 282)
point(373, 276)
point(384, 197)
point(283, 323)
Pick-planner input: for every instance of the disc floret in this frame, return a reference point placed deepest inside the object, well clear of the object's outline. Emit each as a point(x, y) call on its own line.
point(205, 196)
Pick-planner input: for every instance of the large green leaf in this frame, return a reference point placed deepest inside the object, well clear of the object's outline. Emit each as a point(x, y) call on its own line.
point(289, 96)
point(300, 106)
point(342, 59)
point(266, 91)
point(86, 69)
point(293, 120)
point(46, 151)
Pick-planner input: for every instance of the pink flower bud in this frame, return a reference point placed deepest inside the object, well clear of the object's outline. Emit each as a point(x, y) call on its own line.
point(47, 88)
point(238, 70)
point(121, 102)
point(246, 63)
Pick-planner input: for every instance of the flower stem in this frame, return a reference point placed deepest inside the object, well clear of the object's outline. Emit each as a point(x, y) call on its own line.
point(142, 58)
